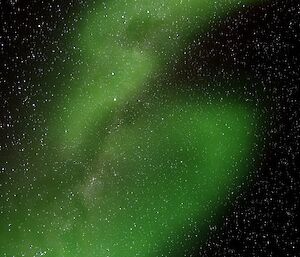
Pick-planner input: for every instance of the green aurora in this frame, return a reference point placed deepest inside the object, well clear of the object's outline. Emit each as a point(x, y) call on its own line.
point(133, 169)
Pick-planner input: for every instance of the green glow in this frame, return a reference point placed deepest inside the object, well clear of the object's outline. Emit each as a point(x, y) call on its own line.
point(172, 166)
point(152, 170)
point(123, 46)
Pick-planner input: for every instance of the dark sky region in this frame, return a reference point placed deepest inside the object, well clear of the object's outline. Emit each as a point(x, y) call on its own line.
point(149, 129)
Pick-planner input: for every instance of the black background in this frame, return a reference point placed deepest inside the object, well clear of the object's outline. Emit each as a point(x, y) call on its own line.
point(261, 41)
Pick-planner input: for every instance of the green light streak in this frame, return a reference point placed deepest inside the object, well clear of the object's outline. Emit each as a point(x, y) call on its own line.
point(123, 46)
point(157, 169)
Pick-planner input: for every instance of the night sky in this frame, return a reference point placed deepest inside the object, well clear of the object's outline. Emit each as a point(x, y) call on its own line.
point(149, 128)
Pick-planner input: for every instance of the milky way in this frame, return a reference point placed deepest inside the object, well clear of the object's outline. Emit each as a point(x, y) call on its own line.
point(140, 127)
